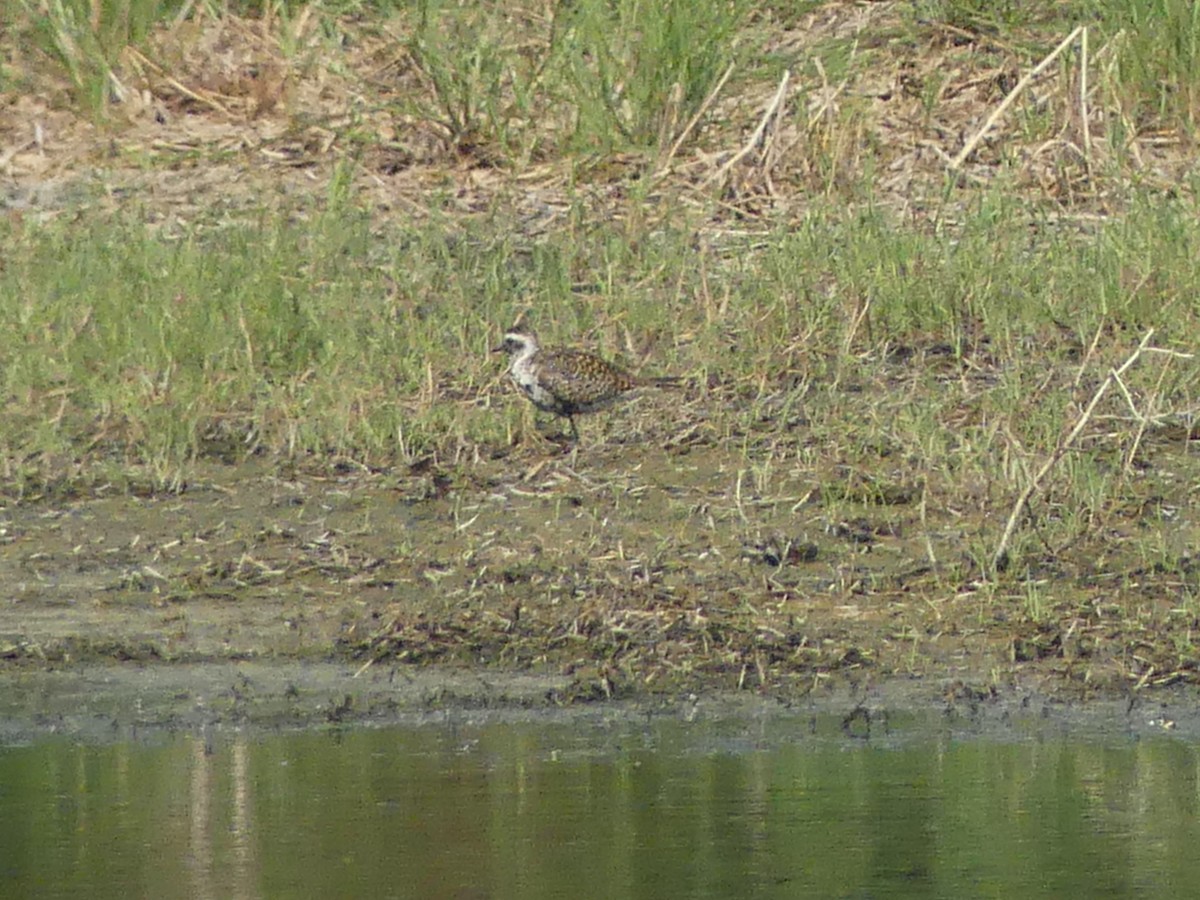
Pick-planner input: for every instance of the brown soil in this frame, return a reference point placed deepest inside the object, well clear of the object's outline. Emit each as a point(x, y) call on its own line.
point(612, 570)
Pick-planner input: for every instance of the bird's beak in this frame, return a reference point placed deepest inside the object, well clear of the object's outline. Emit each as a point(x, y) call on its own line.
point(499, 349)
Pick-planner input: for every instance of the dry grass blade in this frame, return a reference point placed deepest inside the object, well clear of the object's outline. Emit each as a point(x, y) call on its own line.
point(692, 122)
point(1033, 73)
point(1000, 557)
point(1083, 104)
point(773, 110)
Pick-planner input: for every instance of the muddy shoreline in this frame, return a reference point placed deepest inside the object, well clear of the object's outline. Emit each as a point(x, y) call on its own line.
point(100, 703)
point(257, 595)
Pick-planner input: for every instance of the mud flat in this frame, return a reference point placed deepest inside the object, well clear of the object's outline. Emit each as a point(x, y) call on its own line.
point(255, 596)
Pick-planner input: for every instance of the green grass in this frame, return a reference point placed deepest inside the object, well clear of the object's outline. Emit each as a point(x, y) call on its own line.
point(322, 338)
point(86, 37)
point(1157, 45)
point(516, 84)
point(825, 334)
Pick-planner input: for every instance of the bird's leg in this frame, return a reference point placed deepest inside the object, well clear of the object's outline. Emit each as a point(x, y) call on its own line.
point(574, 428)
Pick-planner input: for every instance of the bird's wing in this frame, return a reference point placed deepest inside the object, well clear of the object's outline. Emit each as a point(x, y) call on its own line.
point(574, 366)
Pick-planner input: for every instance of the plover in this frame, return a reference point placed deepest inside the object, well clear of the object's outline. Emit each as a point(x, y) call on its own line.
point(567, 382)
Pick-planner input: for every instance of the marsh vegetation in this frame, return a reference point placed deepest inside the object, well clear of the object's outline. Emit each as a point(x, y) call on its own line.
point(927, 270)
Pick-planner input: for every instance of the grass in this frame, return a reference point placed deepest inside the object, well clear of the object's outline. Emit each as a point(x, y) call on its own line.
point(1158, 44)
point(86, 37)
point(857, 325)
point(322, 338)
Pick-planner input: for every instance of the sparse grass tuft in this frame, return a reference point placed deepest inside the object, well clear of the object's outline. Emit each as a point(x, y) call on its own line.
point(86, 37)
point(1156, 44)
point(517, 84)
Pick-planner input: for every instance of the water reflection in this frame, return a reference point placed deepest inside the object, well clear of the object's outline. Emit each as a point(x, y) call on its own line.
point(537, 811)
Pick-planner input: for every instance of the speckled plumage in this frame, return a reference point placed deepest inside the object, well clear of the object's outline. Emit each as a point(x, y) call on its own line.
point(567, 382)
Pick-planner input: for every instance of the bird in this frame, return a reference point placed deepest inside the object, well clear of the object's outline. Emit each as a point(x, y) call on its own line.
point(567, 382)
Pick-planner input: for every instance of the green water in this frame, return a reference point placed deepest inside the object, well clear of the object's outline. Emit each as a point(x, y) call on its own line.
point(650, 810)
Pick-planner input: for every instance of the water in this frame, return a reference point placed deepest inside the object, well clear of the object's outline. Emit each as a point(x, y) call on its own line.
point(782, 808)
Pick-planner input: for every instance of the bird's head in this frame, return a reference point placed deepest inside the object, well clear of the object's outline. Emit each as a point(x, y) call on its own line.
point(517, 343)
